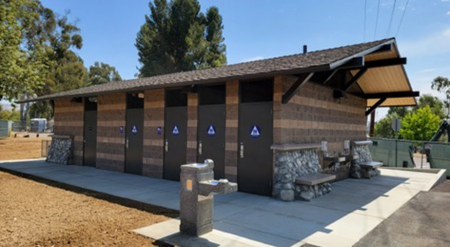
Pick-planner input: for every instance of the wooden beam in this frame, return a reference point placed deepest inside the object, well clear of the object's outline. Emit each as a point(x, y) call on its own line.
point(354, 63)
point(354, 79)
point(302, 79)
point(379, 102)
point(384, 48)
point(330, 76)
point(391, 95)
point(372, 124)
point(386, 62)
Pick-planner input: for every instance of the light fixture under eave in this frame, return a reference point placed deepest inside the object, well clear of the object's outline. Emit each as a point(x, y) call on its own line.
point(77, 100)
point(338, 94)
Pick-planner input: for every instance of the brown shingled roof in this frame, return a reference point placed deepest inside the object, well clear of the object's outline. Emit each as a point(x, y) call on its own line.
point(322, 60)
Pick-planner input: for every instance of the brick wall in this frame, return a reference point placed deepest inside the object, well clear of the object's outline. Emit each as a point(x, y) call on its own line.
point(192, 116)
point(111, 111)
point(313, 115)
point(69, 117)
point(153, 143)
point(231, 130)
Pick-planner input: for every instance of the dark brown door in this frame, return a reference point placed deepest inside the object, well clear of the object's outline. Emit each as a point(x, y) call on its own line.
point(255, 156)
point(134, 141)
point(175, 141)
point(211, 137)
point(90, 138)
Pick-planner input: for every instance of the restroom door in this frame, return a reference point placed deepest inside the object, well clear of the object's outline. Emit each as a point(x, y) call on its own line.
point(255, 158)
point(134, 138)
point(175, 133)
point(90, 132)
point(211, 127)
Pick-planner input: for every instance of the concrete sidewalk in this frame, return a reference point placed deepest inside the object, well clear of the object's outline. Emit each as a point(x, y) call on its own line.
point(341, 218)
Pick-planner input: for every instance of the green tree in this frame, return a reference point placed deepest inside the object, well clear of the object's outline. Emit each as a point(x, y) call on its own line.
point(12, 115)
point(400, 111)
point(420, 125)
point(21, 70)
point(176, 36)
point(436, 105)
point(35, 52)
point(101, 73)
point(383, 128)
point(441, 84)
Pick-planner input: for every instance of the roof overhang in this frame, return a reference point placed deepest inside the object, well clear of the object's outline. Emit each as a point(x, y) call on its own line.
point(377, 68)
point(385, 77)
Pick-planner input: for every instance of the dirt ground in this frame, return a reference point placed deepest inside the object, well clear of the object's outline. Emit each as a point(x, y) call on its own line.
point(38, 212)
point(21, 148)
point(45, 213)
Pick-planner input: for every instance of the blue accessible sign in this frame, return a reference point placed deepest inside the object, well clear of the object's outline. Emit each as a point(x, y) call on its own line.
point(134, 129)
point(121, 129)
point(175, 130)
point(159, 130)
point(211, 130)
point(255, 132)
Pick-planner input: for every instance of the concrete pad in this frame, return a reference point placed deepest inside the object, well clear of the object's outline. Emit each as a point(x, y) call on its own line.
point(341, 218)
point(168, 232)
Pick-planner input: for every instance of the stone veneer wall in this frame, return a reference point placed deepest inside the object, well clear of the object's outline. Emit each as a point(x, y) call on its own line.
point(111, 110)
point(153, 159)
point(69, 117)
point(231, 130)
point(192, 116)
point(290, 165)
point(313, 115)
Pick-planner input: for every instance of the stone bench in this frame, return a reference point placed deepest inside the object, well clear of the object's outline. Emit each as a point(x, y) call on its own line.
point(313, 183)
point(364, 166)
point(315, 179)
point(371, 164)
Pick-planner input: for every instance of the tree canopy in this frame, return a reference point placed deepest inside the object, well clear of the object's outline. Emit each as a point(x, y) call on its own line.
point(177, 36)
point(441, 84)
point(37, 55)
point(420, 125)
point(20, 69)
point(416, 121)
point(436, 105)
point(100, 73)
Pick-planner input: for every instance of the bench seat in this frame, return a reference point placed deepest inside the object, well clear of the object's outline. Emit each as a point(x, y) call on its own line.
point(314, 179)
point(371, 164)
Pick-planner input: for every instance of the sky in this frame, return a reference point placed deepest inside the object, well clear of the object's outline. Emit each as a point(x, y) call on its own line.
point(258, 29)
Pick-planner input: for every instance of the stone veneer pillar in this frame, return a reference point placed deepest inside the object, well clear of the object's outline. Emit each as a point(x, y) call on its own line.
point(294, 161)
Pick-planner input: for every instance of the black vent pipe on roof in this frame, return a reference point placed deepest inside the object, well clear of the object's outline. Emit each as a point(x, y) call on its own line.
point(305, 49)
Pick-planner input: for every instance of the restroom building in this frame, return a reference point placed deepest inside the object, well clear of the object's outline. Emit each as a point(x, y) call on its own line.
point(233, 114)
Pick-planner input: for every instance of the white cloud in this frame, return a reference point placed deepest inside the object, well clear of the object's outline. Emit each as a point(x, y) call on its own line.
point(445, 1)
point(448, 13)
point(252, 59)
point(435, 43)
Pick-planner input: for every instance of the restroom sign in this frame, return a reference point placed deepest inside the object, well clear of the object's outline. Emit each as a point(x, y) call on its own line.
point(159, 130)
point(211, 130)
point(134, 129)
point(175, 130)
point(255, 132)
point(121, 129)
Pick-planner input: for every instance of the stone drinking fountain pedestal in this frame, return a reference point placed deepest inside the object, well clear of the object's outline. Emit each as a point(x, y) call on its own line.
point(197, 197)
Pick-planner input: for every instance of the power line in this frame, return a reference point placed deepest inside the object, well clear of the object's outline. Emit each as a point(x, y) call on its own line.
point(376, 22)
point(365, 17)
point(392, 17)
point(401, 20)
